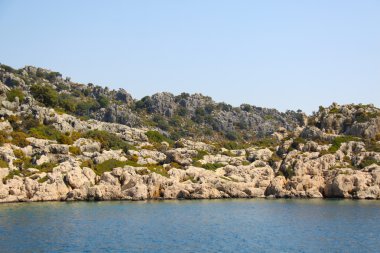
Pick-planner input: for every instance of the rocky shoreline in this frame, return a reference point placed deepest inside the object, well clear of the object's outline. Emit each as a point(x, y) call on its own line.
point(47, 154)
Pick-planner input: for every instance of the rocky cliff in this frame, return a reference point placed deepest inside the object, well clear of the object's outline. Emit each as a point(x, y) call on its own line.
point(60, 140)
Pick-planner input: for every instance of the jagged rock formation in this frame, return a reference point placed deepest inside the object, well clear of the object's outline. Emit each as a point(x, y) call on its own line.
point(61, 154)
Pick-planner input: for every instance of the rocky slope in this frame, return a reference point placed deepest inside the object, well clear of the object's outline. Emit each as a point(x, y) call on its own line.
point(178, 116)
point(51, 152)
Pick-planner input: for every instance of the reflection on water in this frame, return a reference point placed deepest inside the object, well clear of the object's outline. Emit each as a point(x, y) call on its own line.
point(257, 225)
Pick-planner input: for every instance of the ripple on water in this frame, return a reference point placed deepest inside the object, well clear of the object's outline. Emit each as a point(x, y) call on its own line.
point(255, 225)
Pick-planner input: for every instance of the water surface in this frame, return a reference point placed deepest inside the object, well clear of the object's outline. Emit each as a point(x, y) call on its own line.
point(255, 225)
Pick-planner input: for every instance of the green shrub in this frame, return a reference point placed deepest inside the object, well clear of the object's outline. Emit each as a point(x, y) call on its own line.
point(289, 172)
point(3, 137)
point(45, 94)
point(337, 142)
point(296, 142)
point(75, 135)
point(108, 165)
point(334, 111)
point(232, 135)
point(103, 101)
point(108, 140)
point(18, 153)
point(212, 166)
point(18, 163)
point(19, 139)
point(88, 164)
point(133, 158)
point(3, 163)
point(266, 142)
point(13, 93)
point(372, 146)
point(67, 102)
point(368, 161)
point(158, 169)
point(46, 167)
point(45, 132)
point(161, 122)
point(28, 122)
point(74, 150)
point(84, 108)
point(65, 139)
point(156, 137)
point(11, 175)
point(15, 122)
point(43, 179)
point(231, 145)
point(200, 155)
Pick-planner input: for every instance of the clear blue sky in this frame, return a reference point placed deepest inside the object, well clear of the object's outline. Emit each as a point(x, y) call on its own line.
point(280, 54)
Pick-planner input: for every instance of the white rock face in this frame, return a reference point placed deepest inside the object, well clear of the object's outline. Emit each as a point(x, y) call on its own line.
point(303, 169)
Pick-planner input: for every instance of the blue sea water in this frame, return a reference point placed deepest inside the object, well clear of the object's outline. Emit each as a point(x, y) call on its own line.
point(255, 225)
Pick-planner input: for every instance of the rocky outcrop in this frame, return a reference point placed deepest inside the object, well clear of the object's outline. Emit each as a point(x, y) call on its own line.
point(48, 155)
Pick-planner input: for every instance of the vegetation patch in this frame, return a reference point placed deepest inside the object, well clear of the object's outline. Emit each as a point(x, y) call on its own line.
point(368, 161)
point(3, 163)
point(108, 165)
point(200, 155)
point(337, 142)
point(15, 92)
point(11, 175)
point(19, 139)
point(45, 94)
point(108, 140)
point(289, 172)
point(266, 142)
point(212, 166)
point(157, 137)
point(74, 150)
point(43, 179)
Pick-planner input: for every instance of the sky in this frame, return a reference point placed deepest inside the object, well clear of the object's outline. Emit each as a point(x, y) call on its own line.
point(278, 54)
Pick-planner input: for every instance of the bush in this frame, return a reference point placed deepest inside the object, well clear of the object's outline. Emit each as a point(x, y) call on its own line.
point(108, 140)
point(45, 132)
point(85, 107)
point(161, 122)
point(46, 167)
point(3, 163)
point(103, 101)
point(372, 146)
point(11, 175)
point(266, 142)
point(368, 161)
point(19, 139)
point(45, 94)
point(289, 172)
point(29, 122)
point(74, 150)
point(3, 137)
point(232, 135)
point(337, 142)
point(13, 93)
point(75, 135)
point(296, 142)
point(156, 137)
point(200, 155)
point(43, 179)
point(67, 102)
point(18, 153)
point(212, 166)
point(108, 165)
point(51, 133)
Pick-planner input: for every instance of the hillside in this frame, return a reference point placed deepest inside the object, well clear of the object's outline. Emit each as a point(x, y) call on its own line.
point(61, 140)
point(178, 116)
